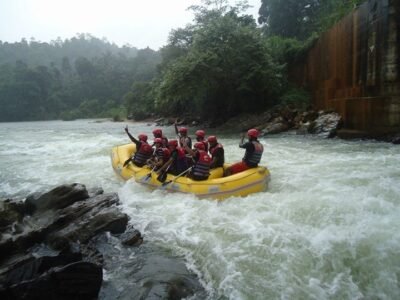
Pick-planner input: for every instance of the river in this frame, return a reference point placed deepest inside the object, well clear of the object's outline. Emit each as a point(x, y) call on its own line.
point(327, 228)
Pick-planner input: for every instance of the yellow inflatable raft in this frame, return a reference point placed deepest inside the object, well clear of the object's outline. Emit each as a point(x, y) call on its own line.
point(241, 184)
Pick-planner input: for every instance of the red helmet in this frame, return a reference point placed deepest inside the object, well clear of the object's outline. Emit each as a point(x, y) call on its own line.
point(173, 143)
point(182, 130)
point(212, 139)
point(142, 137)
point(200, 146)
point(252, 133)
point(200, 133)
point(157, 132)
point(158, 141)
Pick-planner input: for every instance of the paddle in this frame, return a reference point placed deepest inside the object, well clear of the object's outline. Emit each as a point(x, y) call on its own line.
point(176, 177)
point(149, 175)
point(127, 162)
point(163, 176)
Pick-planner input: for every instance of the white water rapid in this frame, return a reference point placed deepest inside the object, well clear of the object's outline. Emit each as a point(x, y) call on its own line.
point(327, 228)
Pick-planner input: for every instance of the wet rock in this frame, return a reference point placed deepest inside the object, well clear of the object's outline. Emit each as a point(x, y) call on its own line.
point(166, 278)
point(78, 222)
point(92, 192)
point(132, 238)
point(58, 251)
point(78, 280)
point(30, 267)
point(396, 140)
point(303, 128)
point(11, 211)
point(277, 125)
point(76, 271)
point(309, 116)
point(91, 254)
point(326, 125)
point(180, 288)
point(87, 226)
point(84, 219)
point(60, 197)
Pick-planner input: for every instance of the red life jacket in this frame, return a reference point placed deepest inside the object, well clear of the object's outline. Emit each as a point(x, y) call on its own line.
point(163, 153)
point(219, 162)
point(202, 166)
point(142, 154)
point(180, 164)
point(205, 145)
point(214, 149)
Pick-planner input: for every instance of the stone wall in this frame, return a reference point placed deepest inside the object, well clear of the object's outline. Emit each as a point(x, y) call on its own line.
point(354, 69)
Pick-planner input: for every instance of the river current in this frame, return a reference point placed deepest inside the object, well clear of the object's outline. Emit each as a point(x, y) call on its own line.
point(327, 228)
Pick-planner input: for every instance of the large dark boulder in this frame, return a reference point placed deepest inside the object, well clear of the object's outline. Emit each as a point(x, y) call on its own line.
point(326, 125)
point(11, 211)
point(131, 238)
point(58, 247)
point(59, 197)
point(78, 280)
point(79, 221)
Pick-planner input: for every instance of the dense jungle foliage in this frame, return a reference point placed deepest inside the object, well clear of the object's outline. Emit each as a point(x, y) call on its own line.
point(219, 66)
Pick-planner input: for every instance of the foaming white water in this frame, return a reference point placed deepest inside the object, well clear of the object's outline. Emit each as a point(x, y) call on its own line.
point(326, 229)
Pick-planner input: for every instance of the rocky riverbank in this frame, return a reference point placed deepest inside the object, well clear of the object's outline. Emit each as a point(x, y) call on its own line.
point(325, 124)
point(61, 244)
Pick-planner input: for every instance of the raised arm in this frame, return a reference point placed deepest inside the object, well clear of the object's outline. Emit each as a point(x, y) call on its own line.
point(241, 140)
point(176, 127)
point(130, 136)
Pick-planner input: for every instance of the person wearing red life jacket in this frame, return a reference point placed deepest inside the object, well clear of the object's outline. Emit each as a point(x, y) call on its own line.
point(182, 135)
point(161, 155)
point(200, 137)
point(177, 162)
point(157, 133)
point(217, 152)
point(252, 156)
point(143, 150)
point(201, 168)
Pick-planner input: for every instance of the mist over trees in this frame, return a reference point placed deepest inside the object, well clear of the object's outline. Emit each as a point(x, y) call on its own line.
point(219, 66)
point(78, 78)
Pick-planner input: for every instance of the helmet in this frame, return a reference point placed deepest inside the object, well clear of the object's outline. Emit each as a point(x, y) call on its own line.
point(200, 133)
point(157, 140)
point(212, 139)
point(173, 143)
point(199, 146)
point(157, 132)
point(252, 133)
point(183, 130)
point(142, 137)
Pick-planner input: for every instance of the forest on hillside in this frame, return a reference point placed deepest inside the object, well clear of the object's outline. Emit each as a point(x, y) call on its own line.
point(223, 64)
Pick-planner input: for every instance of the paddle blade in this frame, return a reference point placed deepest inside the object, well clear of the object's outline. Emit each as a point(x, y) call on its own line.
point(126, 162)
point(162, 177)
point(166, 183)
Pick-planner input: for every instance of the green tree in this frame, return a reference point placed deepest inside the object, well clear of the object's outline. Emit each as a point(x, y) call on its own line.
point(300, 18)
point(288, 18)
point(77, 78)
point(219, 67)
point(139, 101)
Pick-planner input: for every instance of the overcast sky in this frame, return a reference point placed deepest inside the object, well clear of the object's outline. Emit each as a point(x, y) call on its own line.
point(140, 23)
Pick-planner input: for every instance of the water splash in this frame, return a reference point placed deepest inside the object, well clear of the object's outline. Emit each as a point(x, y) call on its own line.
point(326, 229)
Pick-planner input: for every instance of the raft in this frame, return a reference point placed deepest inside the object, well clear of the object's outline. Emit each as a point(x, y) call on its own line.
point(216, 187)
